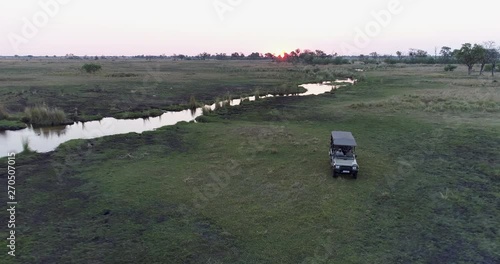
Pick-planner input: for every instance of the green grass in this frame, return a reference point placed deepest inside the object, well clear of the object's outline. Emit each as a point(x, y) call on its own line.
point(8, 121)
point(137, 85)
point(11, 125)
point(433, 103)
point(253, 185)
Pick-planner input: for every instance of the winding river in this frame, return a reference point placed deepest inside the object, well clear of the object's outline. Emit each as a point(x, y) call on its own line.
point(49, 138)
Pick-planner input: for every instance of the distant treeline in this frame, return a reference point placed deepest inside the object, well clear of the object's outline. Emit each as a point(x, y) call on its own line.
point(468, 54)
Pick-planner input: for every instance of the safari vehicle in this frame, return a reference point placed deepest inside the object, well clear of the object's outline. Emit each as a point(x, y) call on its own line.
point(342, 154)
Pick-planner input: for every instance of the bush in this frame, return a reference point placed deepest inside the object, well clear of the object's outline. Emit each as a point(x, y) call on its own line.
point(202, 119)
point(91, 67)
point(450, 68)
point(44, 116)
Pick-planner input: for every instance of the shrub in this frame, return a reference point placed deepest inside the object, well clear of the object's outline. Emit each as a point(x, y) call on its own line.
point(44, 116)
point(91, 67)
point(450, 68)
point(202, 119)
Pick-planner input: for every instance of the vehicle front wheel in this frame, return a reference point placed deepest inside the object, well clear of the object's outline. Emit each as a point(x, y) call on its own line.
point(355, 175)
point(335, 175)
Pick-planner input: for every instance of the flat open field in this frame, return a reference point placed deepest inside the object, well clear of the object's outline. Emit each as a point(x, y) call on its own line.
point(138, 85)
point(252, 184)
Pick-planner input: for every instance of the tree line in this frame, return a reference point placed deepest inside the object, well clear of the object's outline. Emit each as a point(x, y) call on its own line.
point(486, 55)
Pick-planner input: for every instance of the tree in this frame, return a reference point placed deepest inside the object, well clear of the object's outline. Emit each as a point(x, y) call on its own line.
point(220, 56)
point(488, 55)
point(469, 55)
point(495, 56)
point(294, 56)
point(308, 56)
point(204, 55)
point(235, 55)
point(269, 56)
point(446, 53)
point(399, 54)
point(254, 56)
point(418, 53)
point(319, 53)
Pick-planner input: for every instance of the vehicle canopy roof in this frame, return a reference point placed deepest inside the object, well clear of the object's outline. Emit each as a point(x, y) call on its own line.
point(342, 138)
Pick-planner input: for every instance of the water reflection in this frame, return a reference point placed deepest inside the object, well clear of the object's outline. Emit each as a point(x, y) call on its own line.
point(49, 138)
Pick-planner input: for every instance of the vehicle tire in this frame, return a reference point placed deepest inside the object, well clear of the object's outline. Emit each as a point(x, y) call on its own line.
point(355, 175)
point(335, 175)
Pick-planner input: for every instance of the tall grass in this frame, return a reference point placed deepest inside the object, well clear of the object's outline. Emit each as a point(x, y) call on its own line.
point(26, 146)
point(44, 116)
point(227, 100)
point(217, 103)
point(223, 103)
point(206, 110)
point(257, 94)
point(193, 104)
point(3, 112)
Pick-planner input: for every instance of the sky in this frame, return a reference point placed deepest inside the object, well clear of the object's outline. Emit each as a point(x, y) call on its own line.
point(155, 27)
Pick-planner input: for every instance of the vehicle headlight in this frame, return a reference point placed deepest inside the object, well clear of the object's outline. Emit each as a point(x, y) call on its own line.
point(354, 168)
point(337, 167)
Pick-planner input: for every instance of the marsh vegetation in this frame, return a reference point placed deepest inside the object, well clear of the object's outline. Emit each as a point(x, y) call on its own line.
point(253, 183)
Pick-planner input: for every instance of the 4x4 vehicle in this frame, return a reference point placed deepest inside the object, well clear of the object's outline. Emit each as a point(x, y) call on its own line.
point(342, 154)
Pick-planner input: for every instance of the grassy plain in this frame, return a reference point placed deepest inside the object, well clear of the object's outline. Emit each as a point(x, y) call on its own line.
point(136, 88)
point(252, 184)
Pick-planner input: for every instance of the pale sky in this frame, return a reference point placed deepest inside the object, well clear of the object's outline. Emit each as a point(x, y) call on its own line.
point(121, 27)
